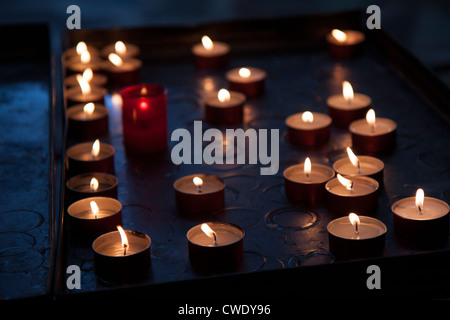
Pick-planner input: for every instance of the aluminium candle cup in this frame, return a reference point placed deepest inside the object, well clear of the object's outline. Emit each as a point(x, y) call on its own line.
point(363, 199)
point(81, 126)
point(348, 49)
point(370, 167)
point(381, 141)
point(120, 76)
point(110, 263)
point(78, 187)
point(309, 135)
point(344, 113)
point(144, 119)
point(189, 200)
point(205, 257)
point(369, 243)
point(299, 188)
point(80, 160)
point(229, 112)
point(253, 86)
point(74, 96)
point(421, 232)
point(214, 59)
point(84, 227)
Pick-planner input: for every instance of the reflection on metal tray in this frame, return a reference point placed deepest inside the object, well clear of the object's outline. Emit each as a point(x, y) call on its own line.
point(284, 240)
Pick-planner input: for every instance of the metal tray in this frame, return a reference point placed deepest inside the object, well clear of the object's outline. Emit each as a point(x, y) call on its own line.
point(286, 245)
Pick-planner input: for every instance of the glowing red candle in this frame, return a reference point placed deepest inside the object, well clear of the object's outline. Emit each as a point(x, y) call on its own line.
point(144, 118)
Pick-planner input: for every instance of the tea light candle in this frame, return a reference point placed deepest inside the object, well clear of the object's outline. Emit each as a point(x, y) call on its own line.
point(421, 221)
point(122, 255)
point(95, 80)
point(215, 246)
point(86, 59)
point(306, 181)
point(348, 106)
point(360, 166)
point(308, 129)
point(226, 107)
point(144, 118)
point(122, 72)
point(209, 55)
point(84, 93)
point(356, 236)
point(199, 193)
point(76, 51)
point(125, 50)
point(87, 121)
point(90, 157)
point(92, 184)
point(91, 217)
point(249, 81)
point(345, 44)
point(373, 135)
point(352, 194)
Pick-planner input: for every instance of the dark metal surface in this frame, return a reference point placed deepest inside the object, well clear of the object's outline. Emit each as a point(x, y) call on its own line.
point(283, 240)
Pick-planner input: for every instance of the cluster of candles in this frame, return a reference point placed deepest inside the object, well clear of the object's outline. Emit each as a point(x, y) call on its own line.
point(350, 188)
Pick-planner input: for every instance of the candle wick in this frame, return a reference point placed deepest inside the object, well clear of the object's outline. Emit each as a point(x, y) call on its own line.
point(351, 186)
point(359, 167)
point(124, 249)
point(199, 189)
point(215, 238)
point(356, 228)
point(420, 209)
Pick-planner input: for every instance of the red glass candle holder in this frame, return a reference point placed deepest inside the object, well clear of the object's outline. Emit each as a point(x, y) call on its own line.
point(144, 118)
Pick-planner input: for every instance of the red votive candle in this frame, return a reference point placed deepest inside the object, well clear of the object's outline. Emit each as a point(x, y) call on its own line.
point(144, 118)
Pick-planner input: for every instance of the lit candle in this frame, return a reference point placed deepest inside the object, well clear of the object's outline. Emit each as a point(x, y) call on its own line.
point(122, 71)
point(76, 51)
point(360, 166)
point(144, 118)
point(125, 50)
point(95, 80)
point(306, 181)
point(352, 194)
point(199, 193)
point(91, 217)
point(92, 184)
point(345, 44)
point(308, 129)
point(87, 121)
point(373, 135)
point(215, 246)
point(348, 106)
point(421, 221)
point(90, 157)
point(224, 107)
point(84, 59)
point(84, 93)
point(122, 255)
point(210, 54)
point(249, 81)
point(356, 236)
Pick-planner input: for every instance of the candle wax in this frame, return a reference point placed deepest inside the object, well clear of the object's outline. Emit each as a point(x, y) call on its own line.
point(359, 101)
point(346, 230)
point(87, 187)
point(353, 37)
point(320, 120)
point(366, 167)
point(127, 65)
point(219, 49)
point(255, 75)
point(207, 187)
point(382, 126)
point(102, 213)
point(224, 237)
point(360, 188)
point(432, 209)
point(97, 114)
point(317, 175)
point(236, 99)
point(87, 156)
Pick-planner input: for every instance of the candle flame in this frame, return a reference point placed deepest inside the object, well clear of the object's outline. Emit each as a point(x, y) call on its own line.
point(94, 208)
point(88, 74)
point(144, 91)
point(81, 47)
point(353, 158)
point(307, 116)
point(307, 167)
point(370, 118)
point(347, 91)
point(223, 95)
point(354, 220)
point(120, 47)
point(115, 59)
point(84, 85)
point(348, 184)
point(339, 35)
point(209, 232)
point(207, 43)
point(89, 108)
point(420, 196)
point(94, 184)
point(85, 57)
point(124, 239)
point(95, 151)
point(244, 72)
